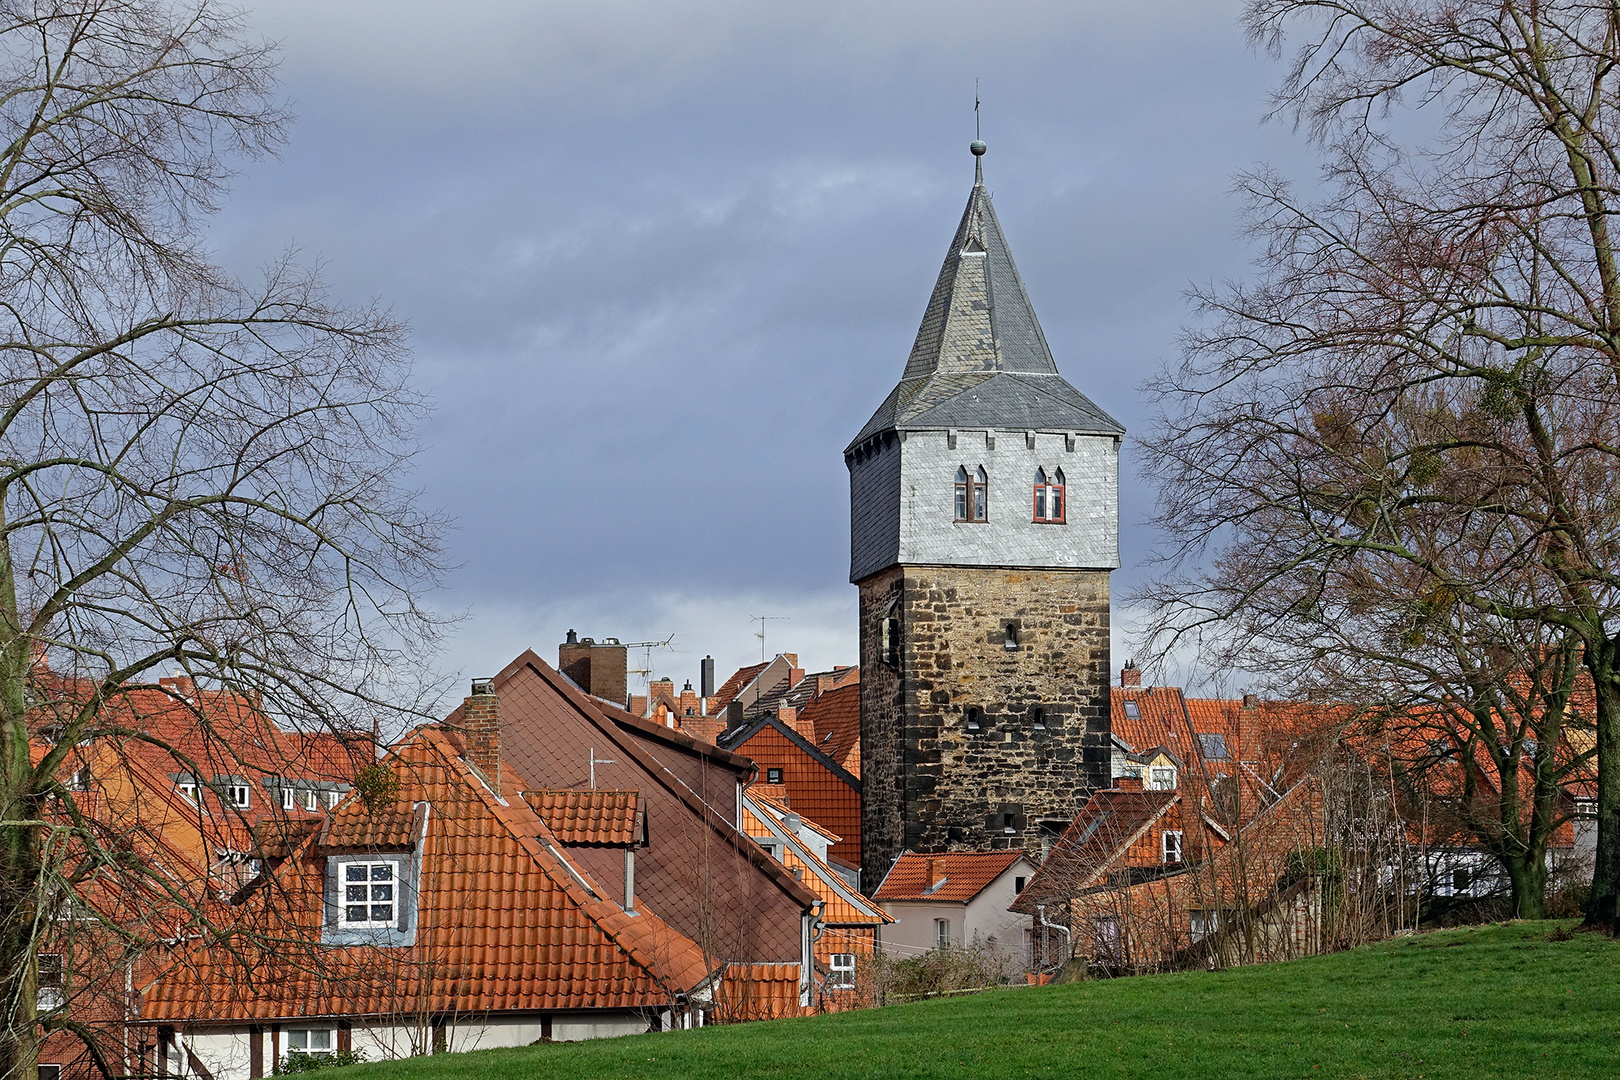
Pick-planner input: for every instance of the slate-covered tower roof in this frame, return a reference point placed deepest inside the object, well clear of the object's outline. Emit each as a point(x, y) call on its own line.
point(980, 367)
point(980, 357)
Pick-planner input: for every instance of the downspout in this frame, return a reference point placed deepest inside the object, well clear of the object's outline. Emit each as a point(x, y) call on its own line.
point(1040, 914)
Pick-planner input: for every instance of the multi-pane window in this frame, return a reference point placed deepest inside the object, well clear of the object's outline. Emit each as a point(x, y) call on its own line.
point(972, 494)
point(49, 982)
point(942, 931)
point(332, 798)
point(187, 788)
point(312, 800)
point(368, 894)
point(1049, 496)
point(288, 798)
point(1201, 924)
point(238, 796)
point(1162, 778)
point(310, 1040)
point(1172, 846)
point(843, 972)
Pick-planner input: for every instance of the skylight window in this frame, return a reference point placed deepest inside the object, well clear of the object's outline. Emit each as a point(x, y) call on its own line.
point(1213, 745)
point(1132, 711)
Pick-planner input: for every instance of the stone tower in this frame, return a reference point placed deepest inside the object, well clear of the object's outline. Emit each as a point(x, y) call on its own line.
point(984, 523)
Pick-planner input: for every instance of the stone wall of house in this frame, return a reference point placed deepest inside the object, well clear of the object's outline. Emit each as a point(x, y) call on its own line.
point(931, 783)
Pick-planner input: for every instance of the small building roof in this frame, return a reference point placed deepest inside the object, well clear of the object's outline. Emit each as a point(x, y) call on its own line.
point(604, 818)
point(958, 876)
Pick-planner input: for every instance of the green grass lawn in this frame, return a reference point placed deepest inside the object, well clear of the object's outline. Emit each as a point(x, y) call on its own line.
point(1499, 1001)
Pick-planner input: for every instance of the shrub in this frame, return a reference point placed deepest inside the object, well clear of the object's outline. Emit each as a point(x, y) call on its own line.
point(299, 1061)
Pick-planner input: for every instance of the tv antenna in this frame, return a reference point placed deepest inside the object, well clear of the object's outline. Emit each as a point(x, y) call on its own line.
point(646, 647)
point(595, 761)
point(762, 620)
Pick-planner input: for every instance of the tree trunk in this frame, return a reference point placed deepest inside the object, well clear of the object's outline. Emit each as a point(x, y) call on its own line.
point(1527, 877)
point(1601, 659)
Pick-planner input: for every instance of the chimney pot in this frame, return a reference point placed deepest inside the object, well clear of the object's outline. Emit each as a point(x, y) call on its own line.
point(573, 638)
point(1250, 701)
point(1130, 674)
point(706, 677)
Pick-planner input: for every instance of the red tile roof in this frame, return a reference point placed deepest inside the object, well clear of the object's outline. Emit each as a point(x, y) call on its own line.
point(1099, 835)
point(502, 925)
point(813, 790)
point(354, 827)
point(966, 874)
point(612, 818)
point(734, 685)
point(836, 718)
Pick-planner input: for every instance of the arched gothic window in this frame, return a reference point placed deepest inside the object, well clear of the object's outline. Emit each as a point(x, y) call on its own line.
point(972, 494)
point(1049, 496)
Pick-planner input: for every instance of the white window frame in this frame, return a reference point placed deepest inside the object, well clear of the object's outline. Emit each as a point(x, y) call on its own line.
point(842, 968)
point(289, 799)
point(1162, 778)
point(1201, 924)
point(238, 796)
point(942, 932)
point(45, 1071)
point(50, 982)
point(329, 1036)
point(370, 883)
point(312, 800)
point(1172, 842)
point(189, 791)
point(333, 797)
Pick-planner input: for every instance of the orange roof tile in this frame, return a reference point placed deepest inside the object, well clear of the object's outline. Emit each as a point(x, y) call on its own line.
point(611, 818)
point(355, 827)
point(841, 905)
point(814, 791)
point(836, 718)
point(759, 992)
point(503, 924)
point(733, 686)
point(966, 874)
point(1109, 822)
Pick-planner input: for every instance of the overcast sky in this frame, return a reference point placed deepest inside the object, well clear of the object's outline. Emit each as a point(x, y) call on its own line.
point(662, 260)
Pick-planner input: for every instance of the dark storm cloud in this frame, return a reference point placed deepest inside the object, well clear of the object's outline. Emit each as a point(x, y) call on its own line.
point(663, 260)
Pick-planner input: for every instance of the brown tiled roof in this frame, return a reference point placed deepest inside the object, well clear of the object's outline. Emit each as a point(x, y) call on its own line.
point(611, 818)
point(966, 874)
point(836, 717)
point(1109, 822)
point(734, 685)
point(503, 925)
point(1160, 719)
point(550, 732)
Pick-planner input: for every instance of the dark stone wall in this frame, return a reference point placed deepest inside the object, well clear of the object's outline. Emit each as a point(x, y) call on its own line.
point(932, 784)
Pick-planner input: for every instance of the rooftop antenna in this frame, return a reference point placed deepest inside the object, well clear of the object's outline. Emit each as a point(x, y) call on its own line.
point(978, 143)
point(595, 761)
point(646, 647)
point(761, 619)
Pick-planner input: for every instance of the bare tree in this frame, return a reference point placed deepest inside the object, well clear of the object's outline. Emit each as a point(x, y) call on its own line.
point(194, 472)
point(1422, 381)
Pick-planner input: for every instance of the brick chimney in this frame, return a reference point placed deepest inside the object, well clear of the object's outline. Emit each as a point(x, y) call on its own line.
point(598, 668)
point(1251, 701)
point(689, 700)
point(795, 676)
point(824, 683)
point(789, 715)
point(1130, 674)
point(935, 872)
point(481, 722)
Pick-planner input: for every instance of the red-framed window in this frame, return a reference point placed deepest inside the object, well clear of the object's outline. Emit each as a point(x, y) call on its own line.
point(972, 494)
point(1049, 501)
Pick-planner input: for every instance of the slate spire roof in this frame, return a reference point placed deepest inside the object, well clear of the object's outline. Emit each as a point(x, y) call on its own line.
point(980, 358)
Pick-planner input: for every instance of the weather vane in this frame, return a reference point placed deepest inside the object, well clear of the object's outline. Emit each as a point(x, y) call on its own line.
point(977, 137)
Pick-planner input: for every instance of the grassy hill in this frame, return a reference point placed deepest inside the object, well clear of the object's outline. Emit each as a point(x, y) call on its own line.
point(1509, 1000)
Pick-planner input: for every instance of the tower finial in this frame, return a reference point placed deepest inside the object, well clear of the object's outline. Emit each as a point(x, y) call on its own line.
point(978, 146)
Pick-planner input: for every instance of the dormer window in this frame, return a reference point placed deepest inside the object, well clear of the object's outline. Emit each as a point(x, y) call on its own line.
point(1049, 496)
point(187, 787)
point(1162, 778)
point(972, 494)
point(238, 796)
point(368, 896)
point(288, 798)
